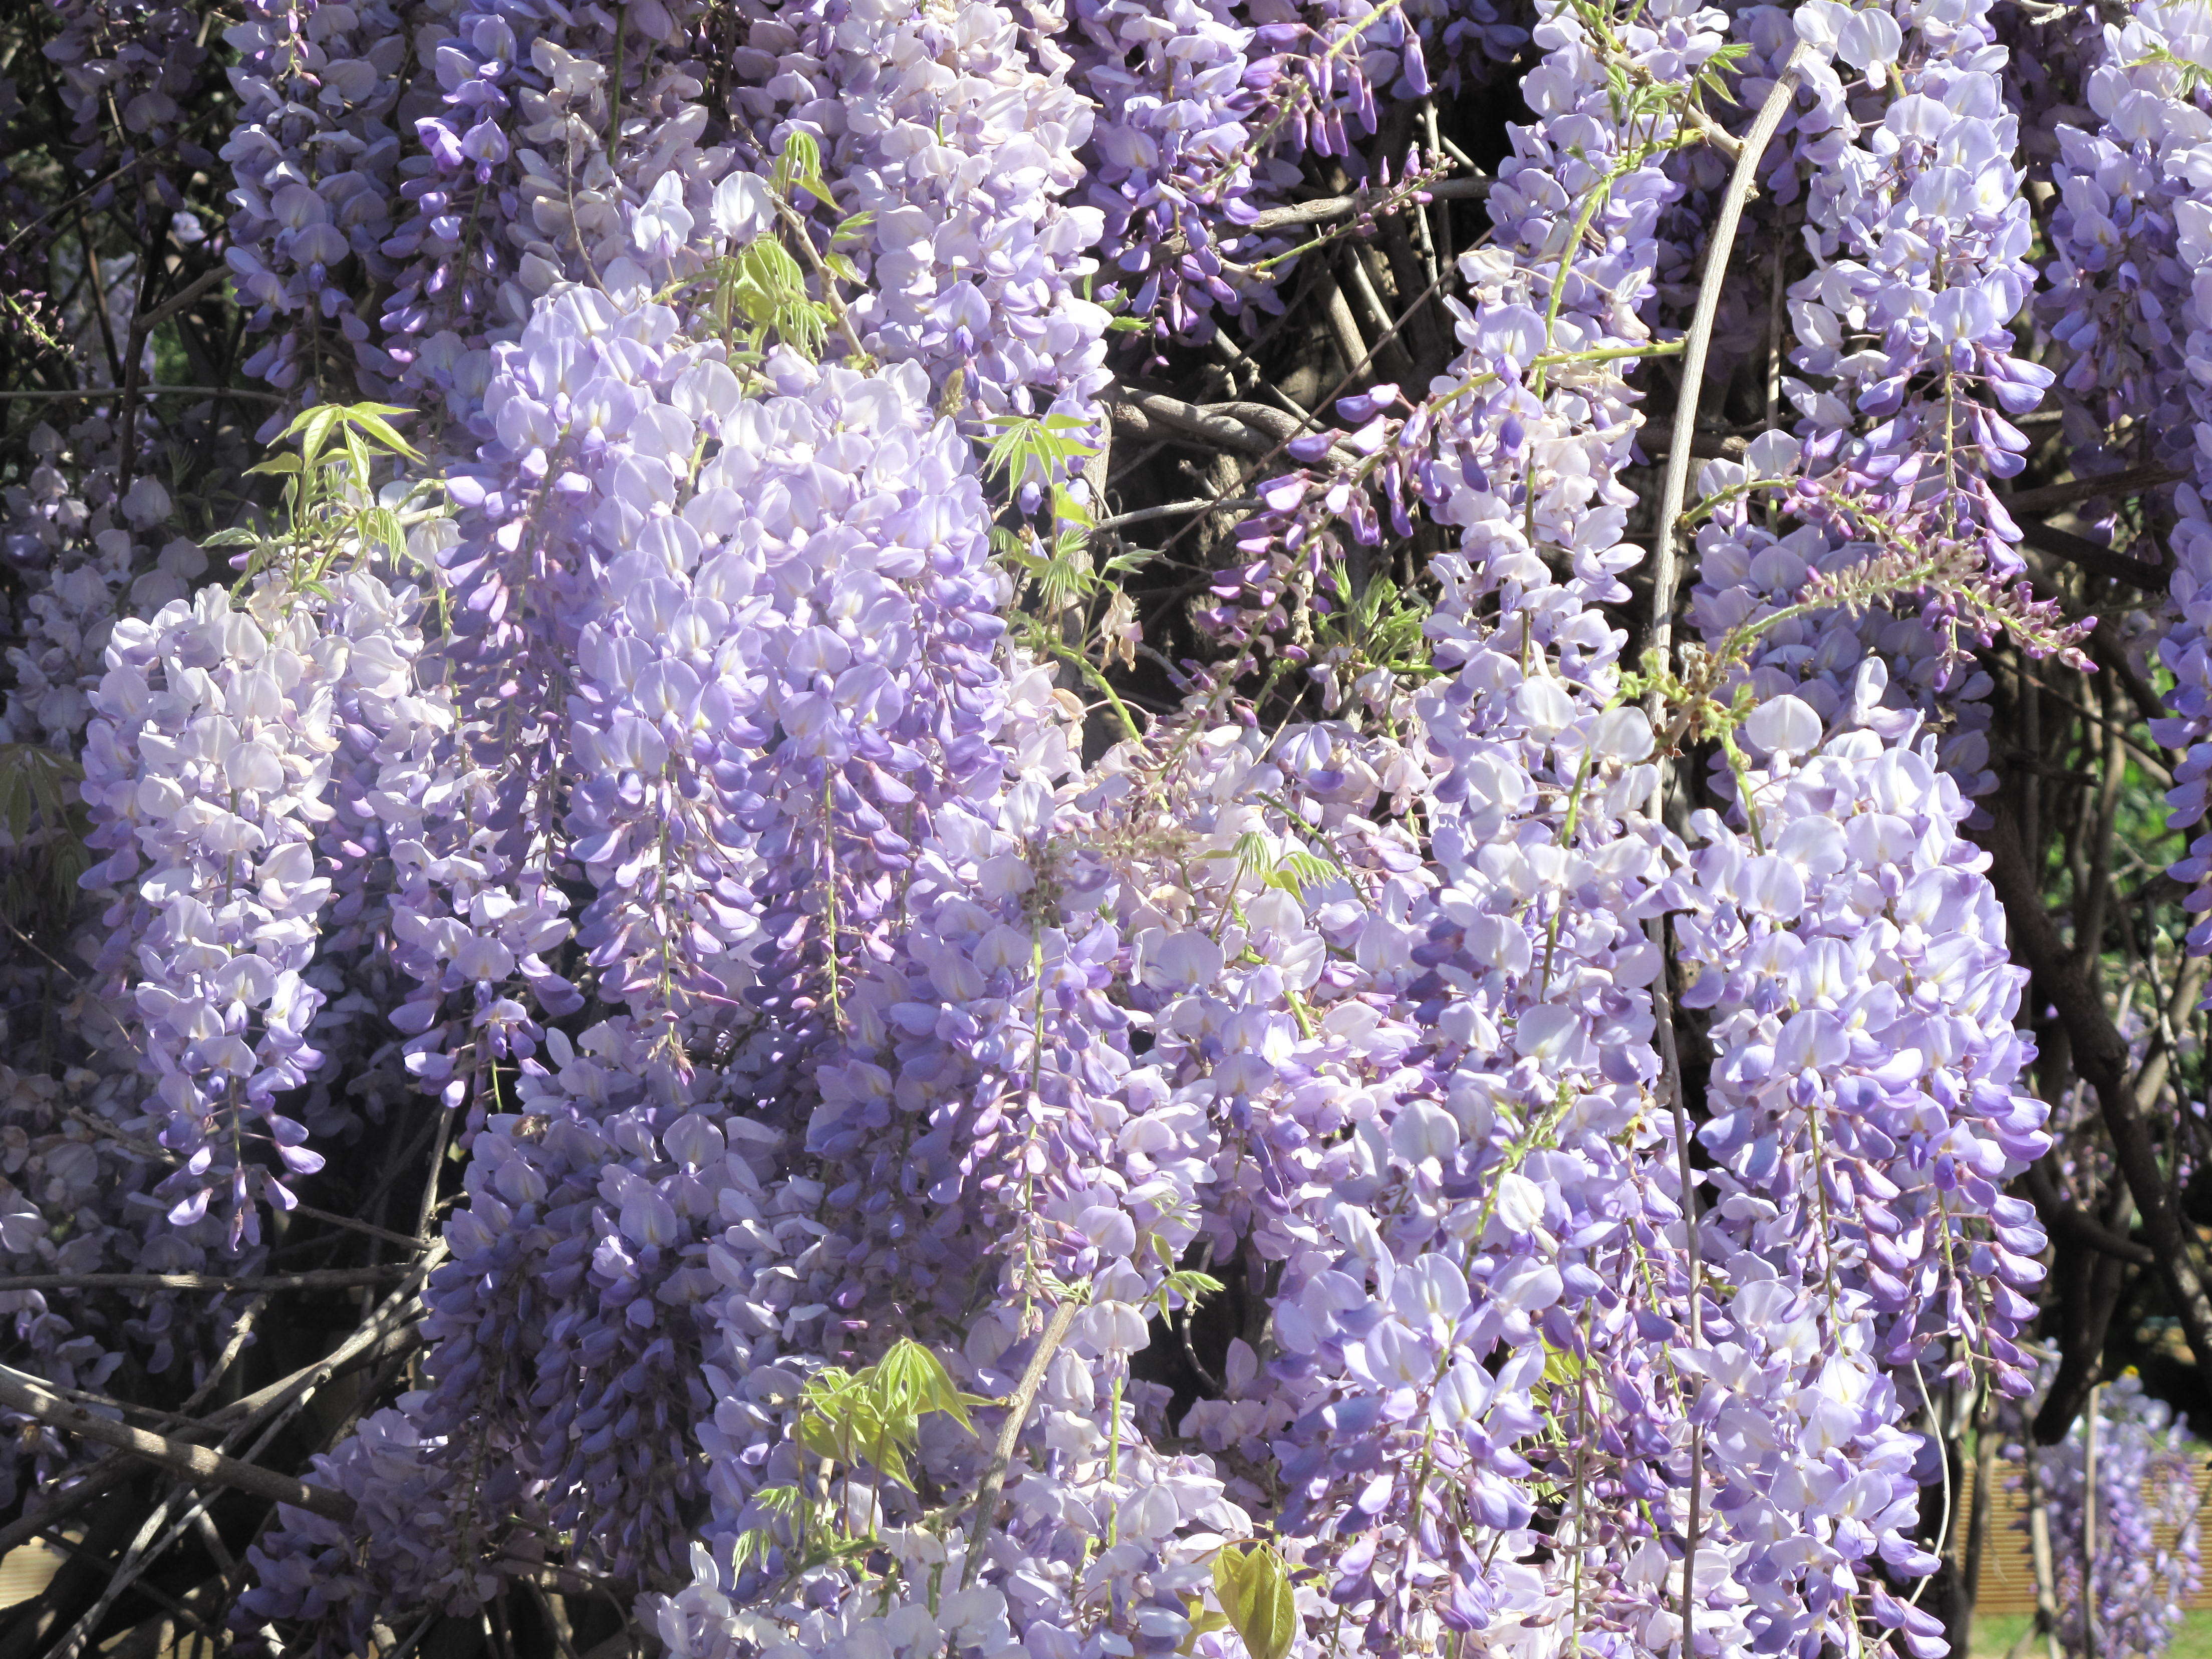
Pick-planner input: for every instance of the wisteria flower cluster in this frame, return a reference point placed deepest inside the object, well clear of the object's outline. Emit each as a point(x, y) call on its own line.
point(1103, 829)
point(2121, 1470)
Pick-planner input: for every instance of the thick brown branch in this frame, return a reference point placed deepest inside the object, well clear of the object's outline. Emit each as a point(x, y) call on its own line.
point(2059, 1215)
point(2093, 556)
point(180, 302)
point(1241, 427)
point(1176, 509)
point(2131, 482)
point(1658, 440)
point(1150, 416)
point(390, 1331)
point(1327, 210)
point(2100, 1057)
point(103, 393)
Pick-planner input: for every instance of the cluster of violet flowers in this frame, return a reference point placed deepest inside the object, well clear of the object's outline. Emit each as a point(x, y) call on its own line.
point(2144, 1477)
point(653, 777)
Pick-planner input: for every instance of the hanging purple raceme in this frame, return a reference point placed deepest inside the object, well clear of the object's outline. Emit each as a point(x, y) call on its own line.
point(206, 771)
point(1920, 235)
point(1907, 375)
point(584, 442)
point(144, 60)
point(564, 1371)
point(401, 1548)
point(2152, 127)
point(2146, 1480)
point(87, 557)
point(551, 132)
point(1865, 1096)
point(966, 1098)
point(1205, 112)
point(77, 1181)
point(746, 675)
point(1512, 1187)
point(316, 157)
point(388, 716)
point(2117, 297)
point(1183, 109)
point(950, 155)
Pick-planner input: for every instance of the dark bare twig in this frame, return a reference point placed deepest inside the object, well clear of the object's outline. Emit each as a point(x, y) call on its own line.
point(1326, 210)
point(1360, 283)
point(134, 354)
point(1658, 442)
point(99, 300)
point(1176, 509)
point(101, 393)
point(2132, 482)
point(322, 1279)
point(182, 301)
point(2093, 556)
point(196, 1463)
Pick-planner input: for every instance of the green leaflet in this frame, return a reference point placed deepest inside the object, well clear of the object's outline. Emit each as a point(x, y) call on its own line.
point(1254, 1588)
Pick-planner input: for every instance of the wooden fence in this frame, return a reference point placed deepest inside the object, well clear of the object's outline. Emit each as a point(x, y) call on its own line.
point(2007, 1577)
